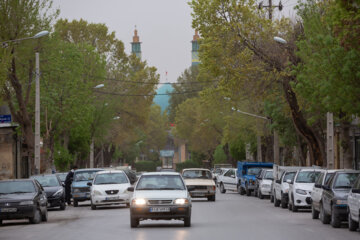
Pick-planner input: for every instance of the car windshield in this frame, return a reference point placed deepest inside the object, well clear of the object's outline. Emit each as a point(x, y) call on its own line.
point(160, 182)
point(289, 176)
point(327, 177)
point(345, 180)
point(47, 180)
point(84, 175)
point(269, 175)
point(307, 177)
point(253, 171)
point(62, 176)
point(201, 174)
point(110, 178)
point(8, 187)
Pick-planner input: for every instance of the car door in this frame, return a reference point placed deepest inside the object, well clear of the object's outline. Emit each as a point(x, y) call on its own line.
point(354, 201)
point(327, 196)
point(228, 179)
point(317, 191)
point(42, 196)
point(277, 186)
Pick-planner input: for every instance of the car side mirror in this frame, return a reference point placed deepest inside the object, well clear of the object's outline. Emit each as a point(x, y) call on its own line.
point(278, 181)
point(289, 181)
point(317, 185)
point(89, 184)
point(130, 189)
point(355, 190)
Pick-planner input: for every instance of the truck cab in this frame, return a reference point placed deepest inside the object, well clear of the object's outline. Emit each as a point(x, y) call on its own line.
point(246, 175)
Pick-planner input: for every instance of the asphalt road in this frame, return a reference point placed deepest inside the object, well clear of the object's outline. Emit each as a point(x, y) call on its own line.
point(232, 217)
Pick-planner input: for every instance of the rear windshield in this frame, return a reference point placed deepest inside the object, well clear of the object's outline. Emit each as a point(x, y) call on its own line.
point(269, 175)
point(253, 171)
point(201, 174)
point(17, 187)
point(47, 180)
point(345, 180)
point(84, 175)
point(110, 178)
point(289, 176)
point(307, 177)
point(160, 182)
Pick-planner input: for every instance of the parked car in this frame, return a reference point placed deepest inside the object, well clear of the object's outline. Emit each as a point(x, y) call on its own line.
point(265, 181)
point(246, 172)
point(54, 190)
point(217, 172)
point(62, 177)
point(281, 189)
point(160, 195)
point(334, 208)
point(228, 180)
point(80, 191)
point(109, 188)
point(201, 183)
point(317, 192)
point(258, 177)
point(354, 206)
point(301, 187)
point(22, 199)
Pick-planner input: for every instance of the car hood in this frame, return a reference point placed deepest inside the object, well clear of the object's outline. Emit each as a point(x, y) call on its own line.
point(266, 181)
point(304, 186)
point(160, 194)
point(51, 190)
point(341, 193)
point(199, 182)
point(17, 197)
point(104, 187)
point(80, 184)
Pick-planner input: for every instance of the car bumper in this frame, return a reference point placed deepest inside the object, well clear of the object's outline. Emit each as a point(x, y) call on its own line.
point(302, 200)
point(83, 196)
point(176, 212)
point(202, 194)
point(110, 199)
point(341, 211)
point(20, 213)
point(55, 201)
point(265, 190)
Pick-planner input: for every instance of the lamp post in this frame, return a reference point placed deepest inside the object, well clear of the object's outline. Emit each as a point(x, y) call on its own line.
point(37, 97)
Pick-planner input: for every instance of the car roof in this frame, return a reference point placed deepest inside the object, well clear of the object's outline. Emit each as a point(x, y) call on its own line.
point(43, 175)
point(89, 169)
point(311, 169)
point(347, 171)
point(110, 171)
point(18, 180)
point(159, 173)
point(199, 169)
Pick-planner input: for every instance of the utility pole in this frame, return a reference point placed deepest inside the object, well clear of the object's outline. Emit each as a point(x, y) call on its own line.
point(270, 7)
point(37, 114)
point(330, 140)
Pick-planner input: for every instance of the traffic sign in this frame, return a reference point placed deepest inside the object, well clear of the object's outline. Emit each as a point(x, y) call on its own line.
point(5, 118)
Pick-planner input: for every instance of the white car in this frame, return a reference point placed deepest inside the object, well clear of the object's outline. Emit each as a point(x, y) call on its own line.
point(354, 206)
point(160, 195)
point(228, 180)
point(317, 192)
point(265, 184)
point(281, 189)
point(201, 183)
point(300, 189)
point(108, 188)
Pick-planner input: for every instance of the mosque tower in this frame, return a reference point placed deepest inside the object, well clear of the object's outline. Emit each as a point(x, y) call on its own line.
point(195, 50)
point(136, 44)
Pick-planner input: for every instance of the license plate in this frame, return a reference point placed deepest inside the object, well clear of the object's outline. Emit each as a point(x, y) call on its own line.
point(8, 209)
point(160, 209)
point(111, 198)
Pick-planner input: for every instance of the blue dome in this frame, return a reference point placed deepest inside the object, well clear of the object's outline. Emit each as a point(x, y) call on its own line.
point(163, 100)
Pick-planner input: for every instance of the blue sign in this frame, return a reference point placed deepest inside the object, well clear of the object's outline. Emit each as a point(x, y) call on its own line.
point(5, 118)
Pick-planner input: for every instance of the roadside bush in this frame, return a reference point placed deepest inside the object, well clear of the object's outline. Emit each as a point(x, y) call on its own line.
point(146, 166)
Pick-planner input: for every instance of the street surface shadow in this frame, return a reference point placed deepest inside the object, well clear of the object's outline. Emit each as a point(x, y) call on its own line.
point(111, 207)
point(161, 225)
point(7, 223)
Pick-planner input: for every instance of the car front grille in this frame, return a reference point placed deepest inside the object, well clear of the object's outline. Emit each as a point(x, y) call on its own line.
point(160, 202)
point(84, 189)
point(111, 192)
point(200, 187)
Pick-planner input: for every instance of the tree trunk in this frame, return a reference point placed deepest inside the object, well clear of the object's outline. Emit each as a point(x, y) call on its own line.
point(229, 158)
point(316, 147)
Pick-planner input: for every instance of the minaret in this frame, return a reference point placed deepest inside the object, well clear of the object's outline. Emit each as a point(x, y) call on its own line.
point(195, 50)
point(136, 44)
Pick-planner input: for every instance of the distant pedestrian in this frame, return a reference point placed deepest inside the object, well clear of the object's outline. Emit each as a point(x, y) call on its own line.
point(68, 180)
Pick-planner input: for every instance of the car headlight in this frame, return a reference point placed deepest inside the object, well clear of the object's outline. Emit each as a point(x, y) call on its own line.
point(76, 190)
point(30, 202)
point(211, 188)
point(58, 193)
point(340, 202)
point(96, 192)
point(300, 191)
point(139, 201)
point(181, 201)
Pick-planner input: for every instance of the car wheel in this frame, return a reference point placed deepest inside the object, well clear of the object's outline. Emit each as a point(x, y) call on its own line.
point(272, 198)
point(44, 216)
point(93, 207)
point(325, 218)
point(260, 194)
point(222, 189)
point(134, 222)
point(335, 221)
point(352, 224)
point(62, 206)
point(293, 207)
point(283, 202)
point(36, 218)
point(276, 202)
point(314, 212)
point(1, 222)
point(242, 190)
point(75, 203)
point(238, 188)
point(289, 206)
point(187, 221)
point(211, 198)
point(247, 190)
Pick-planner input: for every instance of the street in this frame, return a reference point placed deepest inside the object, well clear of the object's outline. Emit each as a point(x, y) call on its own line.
point(231, 216)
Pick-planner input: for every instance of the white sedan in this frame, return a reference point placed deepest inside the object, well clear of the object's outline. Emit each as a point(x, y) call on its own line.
point(108, 188)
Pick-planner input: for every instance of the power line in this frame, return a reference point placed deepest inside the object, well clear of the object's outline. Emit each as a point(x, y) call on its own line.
point(147, 95)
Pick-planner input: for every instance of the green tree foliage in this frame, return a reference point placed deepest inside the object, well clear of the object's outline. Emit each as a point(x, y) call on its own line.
point(219, 155)
point(147, 166)
point(187, 164)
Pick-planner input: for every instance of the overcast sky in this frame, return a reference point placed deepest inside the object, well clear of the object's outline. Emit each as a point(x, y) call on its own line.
point(164, 27)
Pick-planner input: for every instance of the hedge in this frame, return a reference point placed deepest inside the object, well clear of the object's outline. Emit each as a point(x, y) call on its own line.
point(187, 164)
point(146, 166)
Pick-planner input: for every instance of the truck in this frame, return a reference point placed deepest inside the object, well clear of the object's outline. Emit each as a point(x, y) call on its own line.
point(246, 175)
